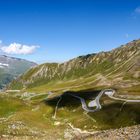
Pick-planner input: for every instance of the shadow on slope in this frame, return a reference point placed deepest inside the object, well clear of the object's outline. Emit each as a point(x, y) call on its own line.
point(69, 101)
point(114, 114)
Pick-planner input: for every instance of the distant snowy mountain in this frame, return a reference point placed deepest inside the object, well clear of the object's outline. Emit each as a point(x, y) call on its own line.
point(2, 65)
point(11, 67)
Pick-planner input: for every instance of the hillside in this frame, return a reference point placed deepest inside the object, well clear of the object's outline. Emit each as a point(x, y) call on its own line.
point(118, 68)
point(68, 100)
point(11, 68)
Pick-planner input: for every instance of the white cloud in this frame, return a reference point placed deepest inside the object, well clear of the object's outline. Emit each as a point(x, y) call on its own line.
point(0, 41)
point(17, 48)
point(137, 10)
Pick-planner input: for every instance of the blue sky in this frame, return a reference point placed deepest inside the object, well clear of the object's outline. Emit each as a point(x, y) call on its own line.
point(58, 30)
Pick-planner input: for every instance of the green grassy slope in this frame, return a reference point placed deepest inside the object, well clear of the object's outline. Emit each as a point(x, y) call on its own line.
point(34, 117)
point(31, 111)
point(119, 68)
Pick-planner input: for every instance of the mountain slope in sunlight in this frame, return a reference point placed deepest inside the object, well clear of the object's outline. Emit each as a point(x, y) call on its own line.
point(118, 68)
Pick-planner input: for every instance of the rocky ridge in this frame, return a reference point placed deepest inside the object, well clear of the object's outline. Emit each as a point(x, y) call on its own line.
point(121, 64)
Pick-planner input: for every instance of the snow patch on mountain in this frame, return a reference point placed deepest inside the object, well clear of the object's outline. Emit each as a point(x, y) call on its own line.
point(3, 65)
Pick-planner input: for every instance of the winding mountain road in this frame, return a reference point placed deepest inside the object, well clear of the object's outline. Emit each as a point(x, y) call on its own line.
point(96, 101)
point(84, 106)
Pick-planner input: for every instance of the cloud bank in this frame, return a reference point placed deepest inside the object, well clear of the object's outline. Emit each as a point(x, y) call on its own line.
point(17, 48)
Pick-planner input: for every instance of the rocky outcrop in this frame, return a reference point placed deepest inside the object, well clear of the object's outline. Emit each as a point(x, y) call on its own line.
point(126, 133)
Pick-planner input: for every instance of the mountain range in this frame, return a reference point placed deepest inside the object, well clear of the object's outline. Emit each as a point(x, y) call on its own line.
point(95, 96)
point(118, 68)
point(11, 68)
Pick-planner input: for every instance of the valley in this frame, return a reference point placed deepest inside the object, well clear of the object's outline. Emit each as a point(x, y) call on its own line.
point(80, 99)
point(37, 118)
point(69, 69)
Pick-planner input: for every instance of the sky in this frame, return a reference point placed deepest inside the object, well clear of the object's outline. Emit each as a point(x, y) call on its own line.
point(59, 30)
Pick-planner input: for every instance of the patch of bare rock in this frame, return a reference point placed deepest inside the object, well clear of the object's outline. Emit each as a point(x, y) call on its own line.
point(127, 133)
